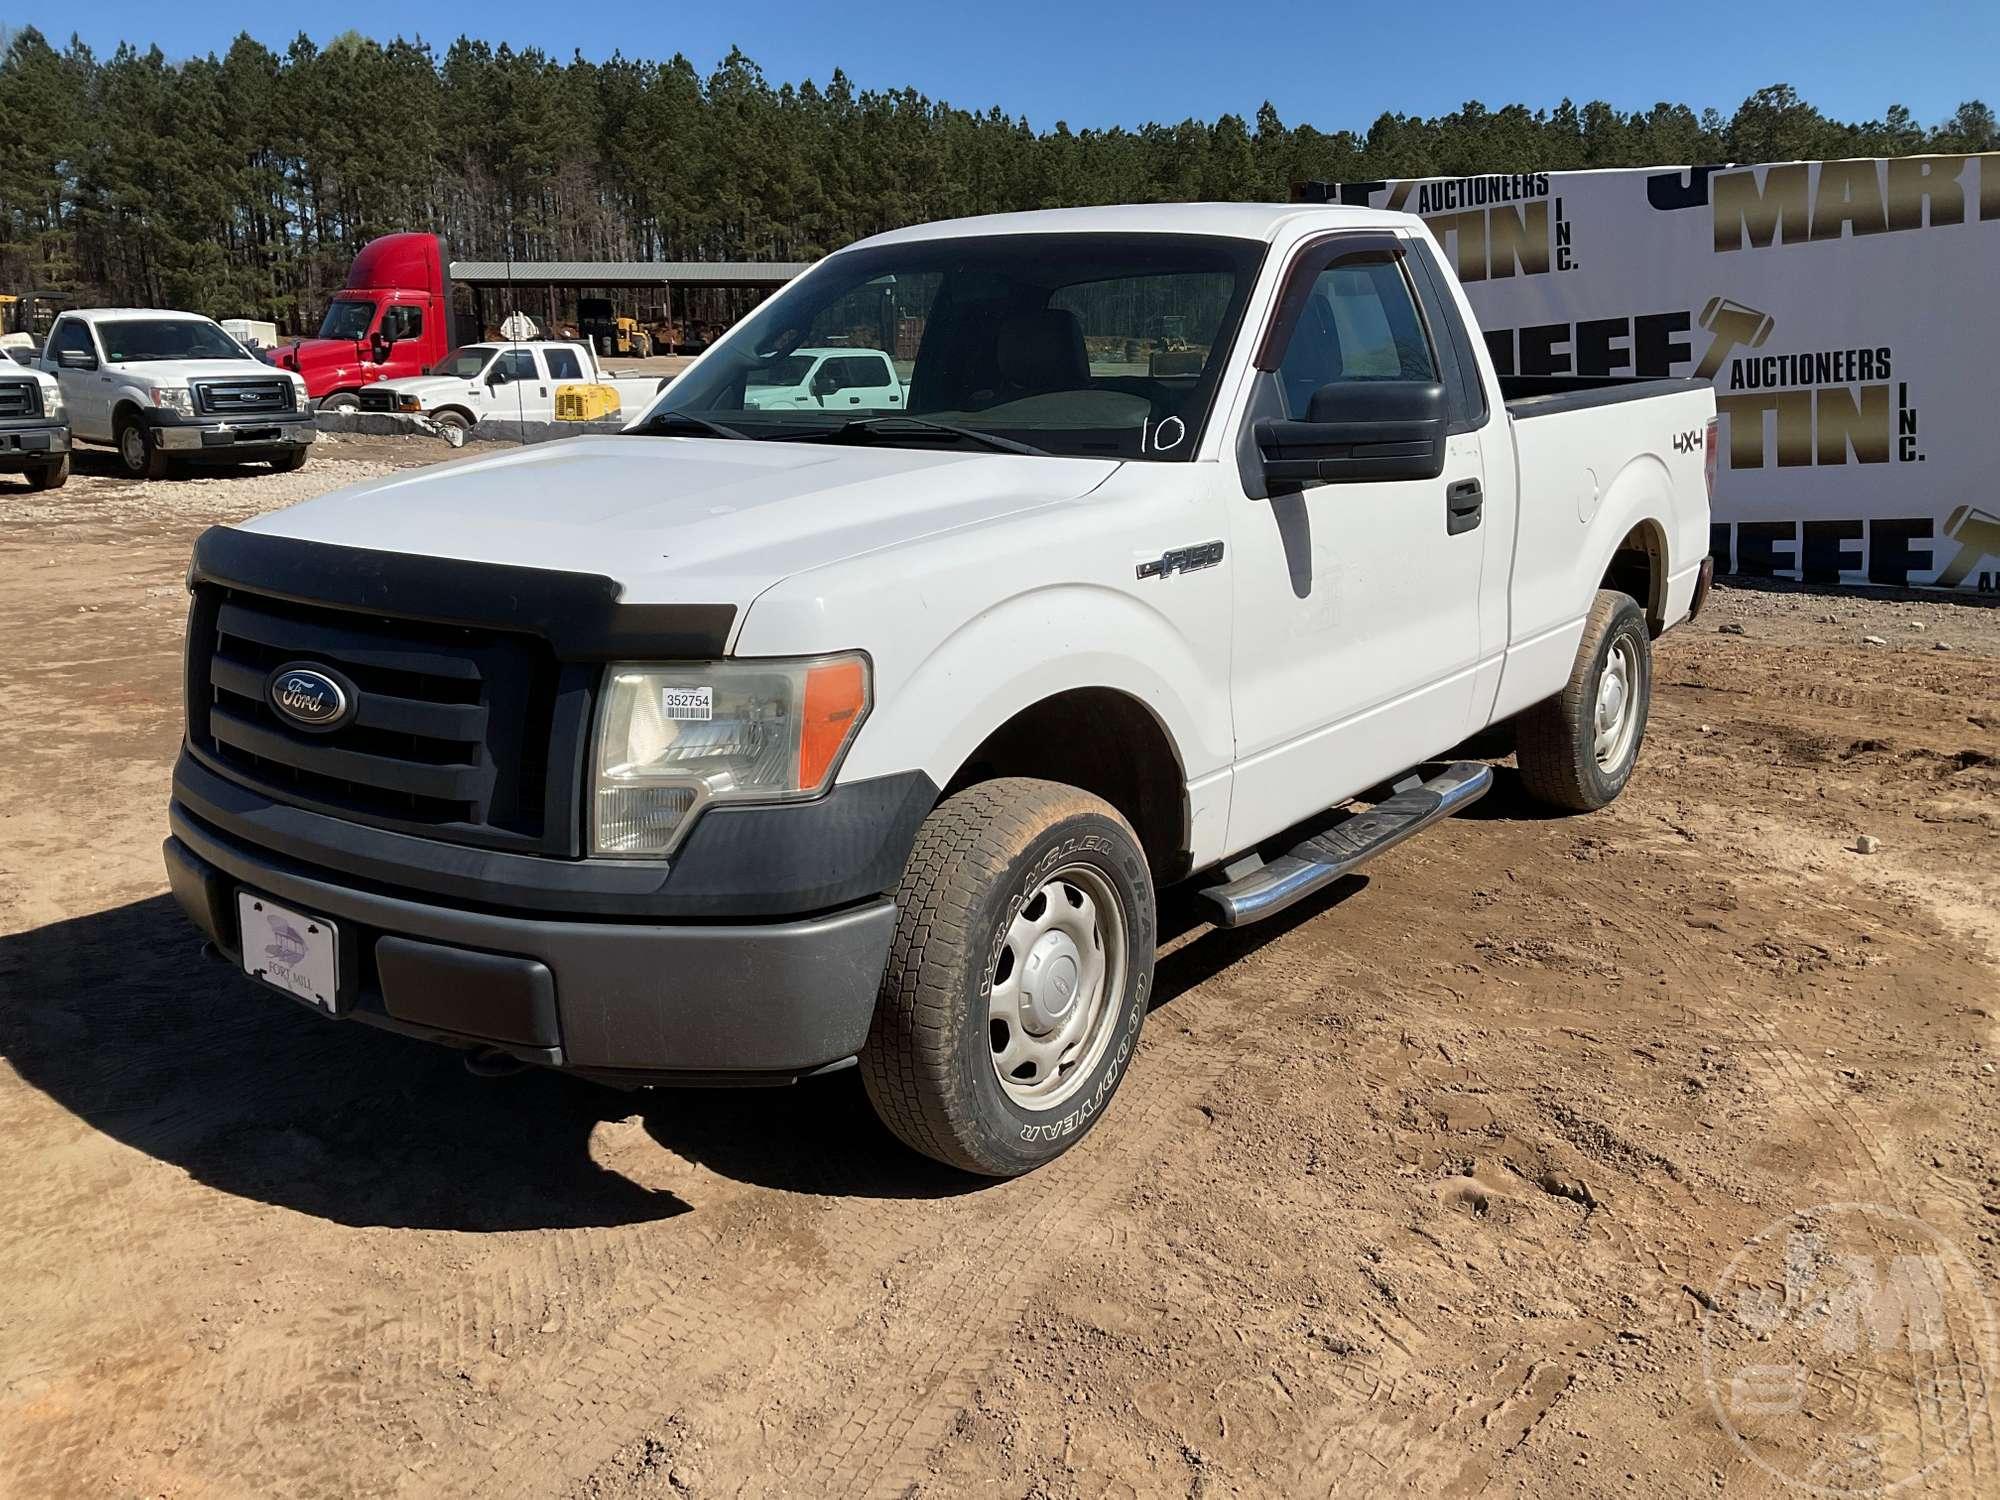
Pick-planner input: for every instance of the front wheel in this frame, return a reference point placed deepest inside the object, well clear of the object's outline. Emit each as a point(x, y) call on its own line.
point(1018, 979)
point(1577, 749)
point(339, 401)
point(291, 460)
point(139, 451)
point(452, 427)
point(52, 475)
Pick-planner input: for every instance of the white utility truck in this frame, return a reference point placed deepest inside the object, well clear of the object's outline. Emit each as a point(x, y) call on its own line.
point(514, 381)
point(170, 387)
point(34, 429)
point(749, 742)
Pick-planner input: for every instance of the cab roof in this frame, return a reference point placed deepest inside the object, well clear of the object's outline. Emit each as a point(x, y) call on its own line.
point(164, 314)
point(1245, 221)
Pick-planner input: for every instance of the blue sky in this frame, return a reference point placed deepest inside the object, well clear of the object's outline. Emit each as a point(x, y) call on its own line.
point(1331, 63)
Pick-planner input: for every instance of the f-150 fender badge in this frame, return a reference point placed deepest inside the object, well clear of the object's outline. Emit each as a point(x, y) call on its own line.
point(1182, 560)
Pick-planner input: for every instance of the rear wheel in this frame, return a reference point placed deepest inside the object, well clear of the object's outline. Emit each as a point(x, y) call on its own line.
point(52, 475)
point(1577, 750)
point(1018, 979)
point(139, 452)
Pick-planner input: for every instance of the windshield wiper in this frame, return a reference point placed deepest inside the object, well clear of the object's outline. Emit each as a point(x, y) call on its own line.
point(889, 422)
point(659, 421)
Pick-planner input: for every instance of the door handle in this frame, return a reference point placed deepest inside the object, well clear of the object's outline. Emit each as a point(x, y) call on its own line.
point(1464, 499)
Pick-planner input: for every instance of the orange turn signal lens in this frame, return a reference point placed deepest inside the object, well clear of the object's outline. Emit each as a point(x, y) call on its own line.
point(836, 699)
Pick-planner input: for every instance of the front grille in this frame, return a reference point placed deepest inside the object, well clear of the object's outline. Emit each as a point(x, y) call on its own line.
point(378, 401)
point(451, 733)
point(20, 398)
point(251, 397)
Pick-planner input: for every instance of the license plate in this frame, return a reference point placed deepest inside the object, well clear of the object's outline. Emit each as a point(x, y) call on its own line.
point(289, 950)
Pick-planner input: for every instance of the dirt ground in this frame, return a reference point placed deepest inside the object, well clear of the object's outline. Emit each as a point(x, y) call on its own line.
point(1422, 1189)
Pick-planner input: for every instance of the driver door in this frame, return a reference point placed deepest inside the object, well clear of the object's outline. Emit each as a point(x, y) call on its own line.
point(86, 393)
point(1357, 603)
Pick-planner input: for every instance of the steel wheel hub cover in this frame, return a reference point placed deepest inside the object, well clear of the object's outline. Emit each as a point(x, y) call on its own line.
point(1051, 980)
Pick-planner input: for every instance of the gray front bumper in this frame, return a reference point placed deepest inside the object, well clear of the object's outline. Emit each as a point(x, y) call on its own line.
point(224, 437)
point(33, 443)
point(715, 1001)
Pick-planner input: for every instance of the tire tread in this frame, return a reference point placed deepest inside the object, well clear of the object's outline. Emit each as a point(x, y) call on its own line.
point(965, 847)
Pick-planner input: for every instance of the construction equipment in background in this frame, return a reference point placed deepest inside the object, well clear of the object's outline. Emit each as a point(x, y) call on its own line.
point(25, 317)
point(610, 332)
point(584, 402)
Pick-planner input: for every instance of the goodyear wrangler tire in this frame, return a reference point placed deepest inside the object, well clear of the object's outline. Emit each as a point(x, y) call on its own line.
point(1577, 750)
point(1018, 978)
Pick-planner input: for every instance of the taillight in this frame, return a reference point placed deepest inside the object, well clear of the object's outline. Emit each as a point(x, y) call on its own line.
point(1711, 450)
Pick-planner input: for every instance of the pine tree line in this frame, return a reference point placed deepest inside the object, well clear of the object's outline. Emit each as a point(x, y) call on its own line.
point(242, 184)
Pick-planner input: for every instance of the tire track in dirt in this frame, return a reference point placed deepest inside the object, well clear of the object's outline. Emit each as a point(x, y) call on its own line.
point(879, 1454)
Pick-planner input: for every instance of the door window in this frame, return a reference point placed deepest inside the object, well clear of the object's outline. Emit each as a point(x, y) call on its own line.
point(519, 364)
point(1358, 323)
point(401, 322)
point(564, 365)
point(864, 373)
point(71, 333)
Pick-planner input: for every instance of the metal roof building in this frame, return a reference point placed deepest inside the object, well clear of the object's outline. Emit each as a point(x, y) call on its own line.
point(580, 273)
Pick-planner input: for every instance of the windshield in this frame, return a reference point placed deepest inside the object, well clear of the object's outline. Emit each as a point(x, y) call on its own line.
point(1077, 344)
point(346, 319)
point(139, 340)
point(465, 363)
point(781, 371)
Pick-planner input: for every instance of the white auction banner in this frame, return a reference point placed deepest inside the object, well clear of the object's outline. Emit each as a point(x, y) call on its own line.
point(1847, 311)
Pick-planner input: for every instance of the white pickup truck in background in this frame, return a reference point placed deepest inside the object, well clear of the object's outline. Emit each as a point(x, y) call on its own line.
point(827, 380)
point(164, 388)
point(754, 740)
point(506, 380)
point(34, 428)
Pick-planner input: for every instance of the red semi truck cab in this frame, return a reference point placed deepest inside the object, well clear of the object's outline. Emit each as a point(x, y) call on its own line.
point(392, 319)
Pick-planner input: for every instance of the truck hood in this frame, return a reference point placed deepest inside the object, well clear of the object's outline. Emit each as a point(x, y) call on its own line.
point(684, 520)
point(172, 372)
point(317, 353)
point(426, 388)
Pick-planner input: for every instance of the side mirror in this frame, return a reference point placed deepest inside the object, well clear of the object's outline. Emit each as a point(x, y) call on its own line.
point(379, 344)
point(1356, 430)
point(76, 359)
point(499, 376)
point(825, 383)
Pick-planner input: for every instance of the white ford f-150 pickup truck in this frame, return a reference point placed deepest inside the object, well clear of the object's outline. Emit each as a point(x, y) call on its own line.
point(749, 742)
point(34, 430)
point(170, 387)
point(511, 381)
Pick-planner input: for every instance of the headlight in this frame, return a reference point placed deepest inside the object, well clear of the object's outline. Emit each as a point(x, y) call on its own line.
point(52, 401)
point(409, 403)
point(671, 739)
point(174, 398)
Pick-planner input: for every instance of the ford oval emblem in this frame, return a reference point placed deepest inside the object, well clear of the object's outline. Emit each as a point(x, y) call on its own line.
point(309, 696)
